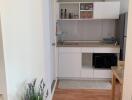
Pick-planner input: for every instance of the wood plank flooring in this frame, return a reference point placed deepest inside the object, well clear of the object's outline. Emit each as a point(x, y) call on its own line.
point(83, 94)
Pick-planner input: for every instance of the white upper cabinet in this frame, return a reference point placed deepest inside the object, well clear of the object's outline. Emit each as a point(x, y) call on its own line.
point(106, 10)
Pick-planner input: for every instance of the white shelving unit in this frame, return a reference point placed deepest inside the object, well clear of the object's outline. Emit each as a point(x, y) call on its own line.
point(89, 10)
point(74, 8)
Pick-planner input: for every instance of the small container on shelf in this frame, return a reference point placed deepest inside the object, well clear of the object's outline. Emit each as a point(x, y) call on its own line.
point(86, 14)
point(65, 14)
point(61, 14)
point(82, 7)
point(91, 7)
point(70, 15)
point(86, 6)
point(75, 16)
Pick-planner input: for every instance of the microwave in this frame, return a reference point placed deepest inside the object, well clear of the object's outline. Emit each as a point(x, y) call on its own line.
point(104, 60)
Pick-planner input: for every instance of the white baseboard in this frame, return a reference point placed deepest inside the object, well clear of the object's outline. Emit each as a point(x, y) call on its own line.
point(52, 94)
point(67, 78)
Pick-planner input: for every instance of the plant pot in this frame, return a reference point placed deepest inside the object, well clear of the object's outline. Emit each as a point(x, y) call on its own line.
point(40, 98)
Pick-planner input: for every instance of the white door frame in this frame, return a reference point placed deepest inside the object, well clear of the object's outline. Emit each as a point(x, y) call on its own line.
point(127, 86)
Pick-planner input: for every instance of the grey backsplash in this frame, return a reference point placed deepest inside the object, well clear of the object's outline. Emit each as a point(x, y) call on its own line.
point(87, 30)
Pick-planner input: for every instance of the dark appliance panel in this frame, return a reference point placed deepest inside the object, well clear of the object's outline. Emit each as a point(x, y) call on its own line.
point(122, 33)
point(104, 60)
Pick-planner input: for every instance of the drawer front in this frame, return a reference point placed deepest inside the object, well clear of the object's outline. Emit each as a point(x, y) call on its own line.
point(106, 50)
point(70, 49)
point(87, 73)
point(87, 50)
point(102, 73)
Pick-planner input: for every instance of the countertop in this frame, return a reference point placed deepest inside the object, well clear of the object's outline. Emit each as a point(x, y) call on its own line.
point(86, 44)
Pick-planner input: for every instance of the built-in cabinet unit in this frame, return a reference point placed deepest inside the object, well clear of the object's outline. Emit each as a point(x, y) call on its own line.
point(76, 62)
point(88, 10)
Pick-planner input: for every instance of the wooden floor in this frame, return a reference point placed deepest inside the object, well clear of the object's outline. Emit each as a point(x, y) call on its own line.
point(81, 94)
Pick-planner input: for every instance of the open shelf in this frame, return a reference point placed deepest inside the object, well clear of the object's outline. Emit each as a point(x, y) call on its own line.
point(86, 14)
point(86, 6)
point(86, 10)
point(75, 11)
point(87, 61)
point(69, 11)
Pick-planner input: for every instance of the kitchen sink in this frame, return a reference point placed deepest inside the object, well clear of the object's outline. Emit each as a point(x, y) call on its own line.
point(71, 43)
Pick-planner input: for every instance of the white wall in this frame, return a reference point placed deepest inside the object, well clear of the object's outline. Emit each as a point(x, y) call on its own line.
point(2, 69)
point(52, 37)
point(127, 88)
point(124, 5)
point(25, 25)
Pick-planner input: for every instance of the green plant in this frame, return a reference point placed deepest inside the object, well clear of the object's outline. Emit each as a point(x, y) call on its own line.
point(36, 93)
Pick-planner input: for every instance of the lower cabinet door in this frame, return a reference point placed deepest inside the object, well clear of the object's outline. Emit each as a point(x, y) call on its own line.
point(69, 65)
point(87, 73)
point(100, 73)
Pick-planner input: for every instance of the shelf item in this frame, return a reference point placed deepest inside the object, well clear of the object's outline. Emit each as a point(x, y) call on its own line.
point(69, 11)
point(86, 14)
point(86, 6)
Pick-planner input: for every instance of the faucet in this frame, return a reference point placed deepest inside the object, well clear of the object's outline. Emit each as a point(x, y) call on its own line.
point(62, 37)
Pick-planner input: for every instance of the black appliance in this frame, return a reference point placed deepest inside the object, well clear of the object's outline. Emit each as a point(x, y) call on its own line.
point(122, 34)
point(104, 60)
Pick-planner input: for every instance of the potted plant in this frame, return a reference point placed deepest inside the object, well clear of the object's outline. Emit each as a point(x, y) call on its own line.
point(34, 92)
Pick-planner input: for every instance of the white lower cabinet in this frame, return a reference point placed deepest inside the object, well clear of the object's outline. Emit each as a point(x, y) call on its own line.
point(69, 64)
point(100, 73)
point(96, 74)
point(106, 50)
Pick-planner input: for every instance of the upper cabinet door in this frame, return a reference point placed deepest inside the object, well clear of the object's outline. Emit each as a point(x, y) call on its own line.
point(106, 10)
